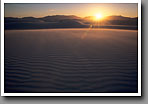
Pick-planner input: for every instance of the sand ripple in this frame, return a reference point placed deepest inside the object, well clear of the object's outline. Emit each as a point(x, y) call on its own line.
point(53, 64)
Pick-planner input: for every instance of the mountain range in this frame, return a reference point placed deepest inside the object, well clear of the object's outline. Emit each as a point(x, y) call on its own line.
point(70, 21)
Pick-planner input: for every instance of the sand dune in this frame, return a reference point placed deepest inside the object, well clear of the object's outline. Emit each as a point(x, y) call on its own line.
point(71, 60)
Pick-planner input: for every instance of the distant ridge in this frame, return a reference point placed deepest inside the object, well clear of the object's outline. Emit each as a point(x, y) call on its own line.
point(69, 21)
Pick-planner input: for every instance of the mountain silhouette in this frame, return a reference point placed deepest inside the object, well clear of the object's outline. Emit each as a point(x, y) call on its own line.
point(70, 21)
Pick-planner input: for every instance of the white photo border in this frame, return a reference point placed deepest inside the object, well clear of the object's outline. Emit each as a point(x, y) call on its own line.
point(71, 94)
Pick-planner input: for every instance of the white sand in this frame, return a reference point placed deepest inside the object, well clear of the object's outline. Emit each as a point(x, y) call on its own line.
point(71, 60)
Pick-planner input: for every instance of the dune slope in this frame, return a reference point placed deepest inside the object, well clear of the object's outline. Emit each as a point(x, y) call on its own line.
point(71, 60)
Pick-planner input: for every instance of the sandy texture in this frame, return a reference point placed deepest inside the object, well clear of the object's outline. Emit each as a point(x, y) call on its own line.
point(71, 60)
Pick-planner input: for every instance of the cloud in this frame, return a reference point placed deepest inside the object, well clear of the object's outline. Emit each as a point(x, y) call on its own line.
point(51, 10)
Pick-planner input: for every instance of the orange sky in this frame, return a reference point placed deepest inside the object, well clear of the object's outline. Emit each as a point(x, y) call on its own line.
point(79, 9)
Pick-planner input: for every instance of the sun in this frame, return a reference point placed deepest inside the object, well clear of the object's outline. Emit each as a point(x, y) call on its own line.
point(98, 16)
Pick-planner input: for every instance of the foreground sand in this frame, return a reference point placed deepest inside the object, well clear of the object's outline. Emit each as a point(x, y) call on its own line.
point(71, 60)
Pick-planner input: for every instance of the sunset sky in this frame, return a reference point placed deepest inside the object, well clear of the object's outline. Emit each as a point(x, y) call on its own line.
point(78, 9)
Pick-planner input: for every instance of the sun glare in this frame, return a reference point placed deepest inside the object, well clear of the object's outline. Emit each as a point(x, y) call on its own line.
point(98, 16)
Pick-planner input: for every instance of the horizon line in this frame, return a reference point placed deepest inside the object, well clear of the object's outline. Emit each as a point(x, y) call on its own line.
point(68, 15)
